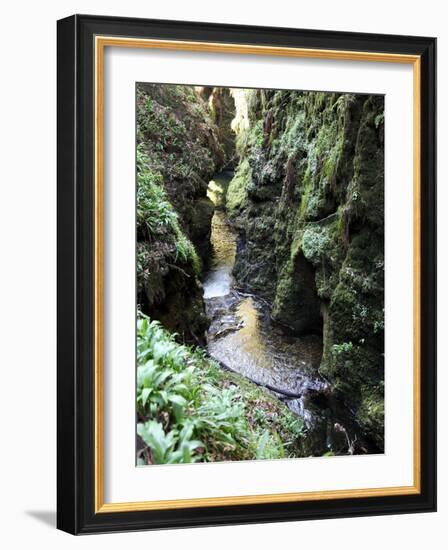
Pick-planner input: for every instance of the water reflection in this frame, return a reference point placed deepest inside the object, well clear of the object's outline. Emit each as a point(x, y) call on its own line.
point(242, 336)
point(219, 278)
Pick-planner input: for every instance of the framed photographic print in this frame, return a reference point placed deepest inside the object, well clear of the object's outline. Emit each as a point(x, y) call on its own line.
point(246, 274)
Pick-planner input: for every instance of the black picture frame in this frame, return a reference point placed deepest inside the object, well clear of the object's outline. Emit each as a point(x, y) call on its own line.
point(76, 269)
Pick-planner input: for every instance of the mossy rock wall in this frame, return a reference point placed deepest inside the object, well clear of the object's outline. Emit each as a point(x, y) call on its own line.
point(308, 199)
point(222, 105)
point(178, 152)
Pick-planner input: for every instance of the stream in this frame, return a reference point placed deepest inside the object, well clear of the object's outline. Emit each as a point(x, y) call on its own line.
point(243, 337)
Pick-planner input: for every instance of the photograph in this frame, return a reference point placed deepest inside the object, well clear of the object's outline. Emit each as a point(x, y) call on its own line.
point(223, 242)
point(246, 251)
point(259, 274)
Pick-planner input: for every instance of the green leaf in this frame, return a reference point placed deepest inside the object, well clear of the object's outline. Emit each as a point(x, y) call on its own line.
point(146, 392)
point(160, 443)
point(262, 444)
point(177, 399)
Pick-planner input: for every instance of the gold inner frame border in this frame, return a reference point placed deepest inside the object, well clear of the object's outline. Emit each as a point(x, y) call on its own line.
point(101, 42)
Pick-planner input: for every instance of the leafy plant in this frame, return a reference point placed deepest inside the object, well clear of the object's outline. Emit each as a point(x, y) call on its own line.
point(345, 347)
point(169, 448)
point(156, 217)
point(189, 410)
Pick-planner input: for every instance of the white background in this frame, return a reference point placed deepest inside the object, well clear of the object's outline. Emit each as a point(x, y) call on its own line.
point(27, 288)
point(124, 482)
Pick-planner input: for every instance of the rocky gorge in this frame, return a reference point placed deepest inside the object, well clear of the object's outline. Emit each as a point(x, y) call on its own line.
point(260, 239)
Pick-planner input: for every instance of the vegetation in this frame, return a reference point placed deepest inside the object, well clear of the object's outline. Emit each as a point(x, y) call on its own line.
point(307, 202)
point(158, 221)
point(307, 198)
point(190, 410)
point(177, 154)
point(236, 192)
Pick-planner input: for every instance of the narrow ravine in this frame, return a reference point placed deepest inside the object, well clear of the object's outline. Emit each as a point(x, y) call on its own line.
point(266, 280)
point(242, 337)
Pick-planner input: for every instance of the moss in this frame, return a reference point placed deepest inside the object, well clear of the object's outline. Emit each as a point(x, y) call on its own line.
point(296, 301)
point(237, 190)
point(316, 243)
point(371, 412)
point(177, 153)
point(200, 218)
point(222, 107)
point(310, 209)
point(176, 131)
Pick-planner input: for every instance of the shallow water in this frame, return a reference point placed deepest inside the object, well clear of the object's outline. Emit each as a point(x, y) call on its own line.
point(243, 337)
point(219, 277)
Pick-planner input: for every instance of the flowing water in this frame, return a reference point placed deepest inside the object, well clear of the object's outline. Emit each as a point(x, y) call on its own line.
point(243, 337)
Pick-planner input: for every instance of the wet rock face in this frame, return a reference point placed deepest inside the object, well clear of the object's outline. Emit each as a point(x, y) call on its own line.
point(222, 106)
point(308, 200)
point(200, 220)
point(298, 305)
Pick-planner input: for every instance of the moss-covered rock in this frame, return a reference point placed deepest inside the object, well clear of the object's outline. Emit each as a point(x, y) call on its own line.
point(178, 152)
point(308, 198)
point(222, 106)
point(175, 129)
